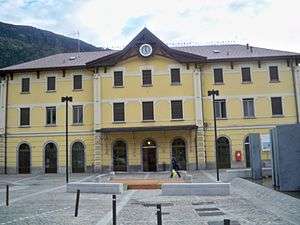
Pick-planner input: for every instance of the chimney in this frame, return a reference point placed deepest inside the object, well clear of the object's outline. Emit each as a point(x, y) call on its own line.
point(247, 46)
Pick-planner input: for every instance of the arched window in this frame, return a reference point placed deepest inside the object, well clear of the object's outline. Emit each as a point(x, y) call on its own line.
point(77, 157)
point(223, 151)
point(50, 158)
point(149, 155)
point(119, 156)
point(24, 158)
point(179, 153)
point(247, 151)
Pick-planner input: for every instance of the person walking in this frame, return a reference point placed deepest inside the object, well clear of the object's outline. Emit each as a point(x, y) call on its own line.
point(175, 168)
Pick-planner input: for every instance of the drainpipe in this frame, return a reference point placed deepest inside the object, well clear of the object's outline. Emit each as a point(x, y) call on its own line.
point(196, 150)
point(5, 127)
point(295, 90)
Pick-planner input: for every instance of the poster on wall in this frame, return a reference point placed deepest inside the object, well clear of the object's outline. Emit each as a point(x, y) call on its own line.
point(265, 140)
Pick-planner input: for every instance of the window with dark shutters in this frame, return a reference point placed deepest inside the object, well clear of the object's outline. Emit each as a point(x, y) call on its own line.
point(119, 112)
point(246, 74)
point(175, 76)
point(218, 75)
point(50, 83)
point(25, 85)
point(147, 77)
point(276, 103)
point(220, 106)
point(77, 114)
point(248, 105)
point(148, 111)
point(118, 78)
point(25, 116)
point(51, 115)
point(77, 82)
point(176, 108)
point(273, 71)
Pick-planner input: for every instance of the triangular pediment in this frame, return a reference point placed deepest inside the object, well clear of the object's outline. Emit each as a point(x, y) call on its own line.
point(155, 46)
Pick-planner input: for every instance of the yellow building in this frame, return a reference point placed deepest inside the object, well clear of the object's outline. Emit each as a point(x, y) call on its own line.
point(136, 108)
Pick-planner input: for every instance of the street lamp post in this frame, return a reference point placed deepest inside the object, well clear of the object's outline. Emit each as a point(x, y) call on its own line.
point(215, 93)
point(67, 99)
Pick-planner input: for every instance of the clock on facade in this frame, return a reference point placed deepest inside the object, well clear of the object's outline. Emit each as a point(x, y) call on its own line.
point(145, 50)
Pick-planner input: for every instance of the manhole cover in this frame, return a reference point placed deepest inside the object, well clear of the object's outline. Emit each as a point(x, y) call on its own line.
point(203, 203)
point(232, 222)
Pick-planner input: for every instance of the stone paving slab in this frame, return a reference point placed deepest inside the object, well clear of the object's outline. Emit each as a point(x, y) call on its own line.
point(43, 200)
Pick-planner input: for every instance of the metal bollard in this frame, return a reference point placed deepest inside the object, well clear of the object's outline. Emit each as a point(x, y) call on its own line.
point(114, 210)
point(226, 222)
point(77, 203)
point(7, 195)
point(158, 214)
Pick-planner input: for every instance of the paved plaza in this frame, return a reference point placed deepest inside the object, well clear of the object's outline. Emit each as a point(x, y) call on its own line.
point(43, 199)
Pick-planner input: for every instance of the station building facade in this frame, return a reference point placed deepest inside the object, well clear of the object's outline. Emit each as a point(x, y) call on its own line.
point(136, 108)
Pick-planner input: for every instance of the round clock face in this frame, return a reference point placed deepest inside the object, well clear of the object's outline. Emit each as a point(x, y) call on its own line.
point(145, 50)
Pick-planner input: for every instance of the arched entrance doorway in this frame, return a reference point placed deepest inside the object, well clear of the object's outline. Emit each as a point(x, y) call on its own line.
point(223, 151)
point(149, 155)
point(24, 158)
point(119, 156)
point(247, 151)
point(77, 157)
point(178, 151)
point(50, 158)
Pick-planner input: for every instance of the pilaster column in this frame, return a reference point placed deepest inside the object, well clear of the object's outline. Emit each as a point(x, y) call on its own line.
point(97, 122)
point(297, 85)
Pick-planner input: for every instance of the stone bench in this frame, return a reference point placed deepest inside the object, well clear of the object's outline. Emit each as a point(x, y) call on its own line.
point(93, 187)
point(245, 173)
point(201, 189)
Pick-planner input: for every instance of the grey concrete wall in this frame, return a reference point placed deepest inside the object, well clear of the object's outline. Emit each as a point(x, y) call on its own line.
point(286, 151)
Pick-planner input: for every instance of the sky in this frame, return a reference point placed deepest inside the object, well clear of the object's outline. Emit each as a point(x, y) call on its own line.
point(113, 23)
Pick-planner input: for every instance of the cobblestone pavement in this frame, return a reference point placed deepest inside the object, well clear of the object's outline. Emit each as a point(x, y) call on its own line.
point(43, 200)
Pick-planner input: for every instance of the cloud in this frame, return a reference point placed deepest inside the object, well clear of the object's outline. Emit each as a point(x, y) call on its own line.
point(265, 23)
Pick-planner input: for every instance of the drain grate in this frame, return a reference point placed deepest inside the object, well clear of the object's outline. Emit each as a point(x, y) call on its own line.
point(208, 209)
point(232, 222)
point(155, 204)
point(213, 211)
point(203, 203)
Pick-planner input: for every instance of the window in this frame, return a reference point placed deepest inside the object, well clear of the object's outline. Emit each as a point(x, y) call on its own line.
point(118, 78)
point(147, 79)
point(220, 106)
point(176, 108)
point(246, 74)
point(119, 112)
point(77, 114)
point(77, 82)
point(273, 71)
point(218, 76)
point(175, 76)
point(148, 111)
point(248, 105)
point(276, 103)
point(50, 83)
point(24, 116)
point(25, 85)
point(51, 115)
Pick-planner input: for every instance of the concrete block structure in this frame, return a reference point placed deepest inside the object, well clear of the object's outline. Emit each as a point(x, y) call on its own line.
point(200, 189)
point(95, 187)
point(134, 109)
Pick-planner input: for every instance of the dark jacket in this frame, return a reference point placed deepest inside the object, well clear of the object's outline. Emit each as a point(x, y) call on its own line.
point(174, 164)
